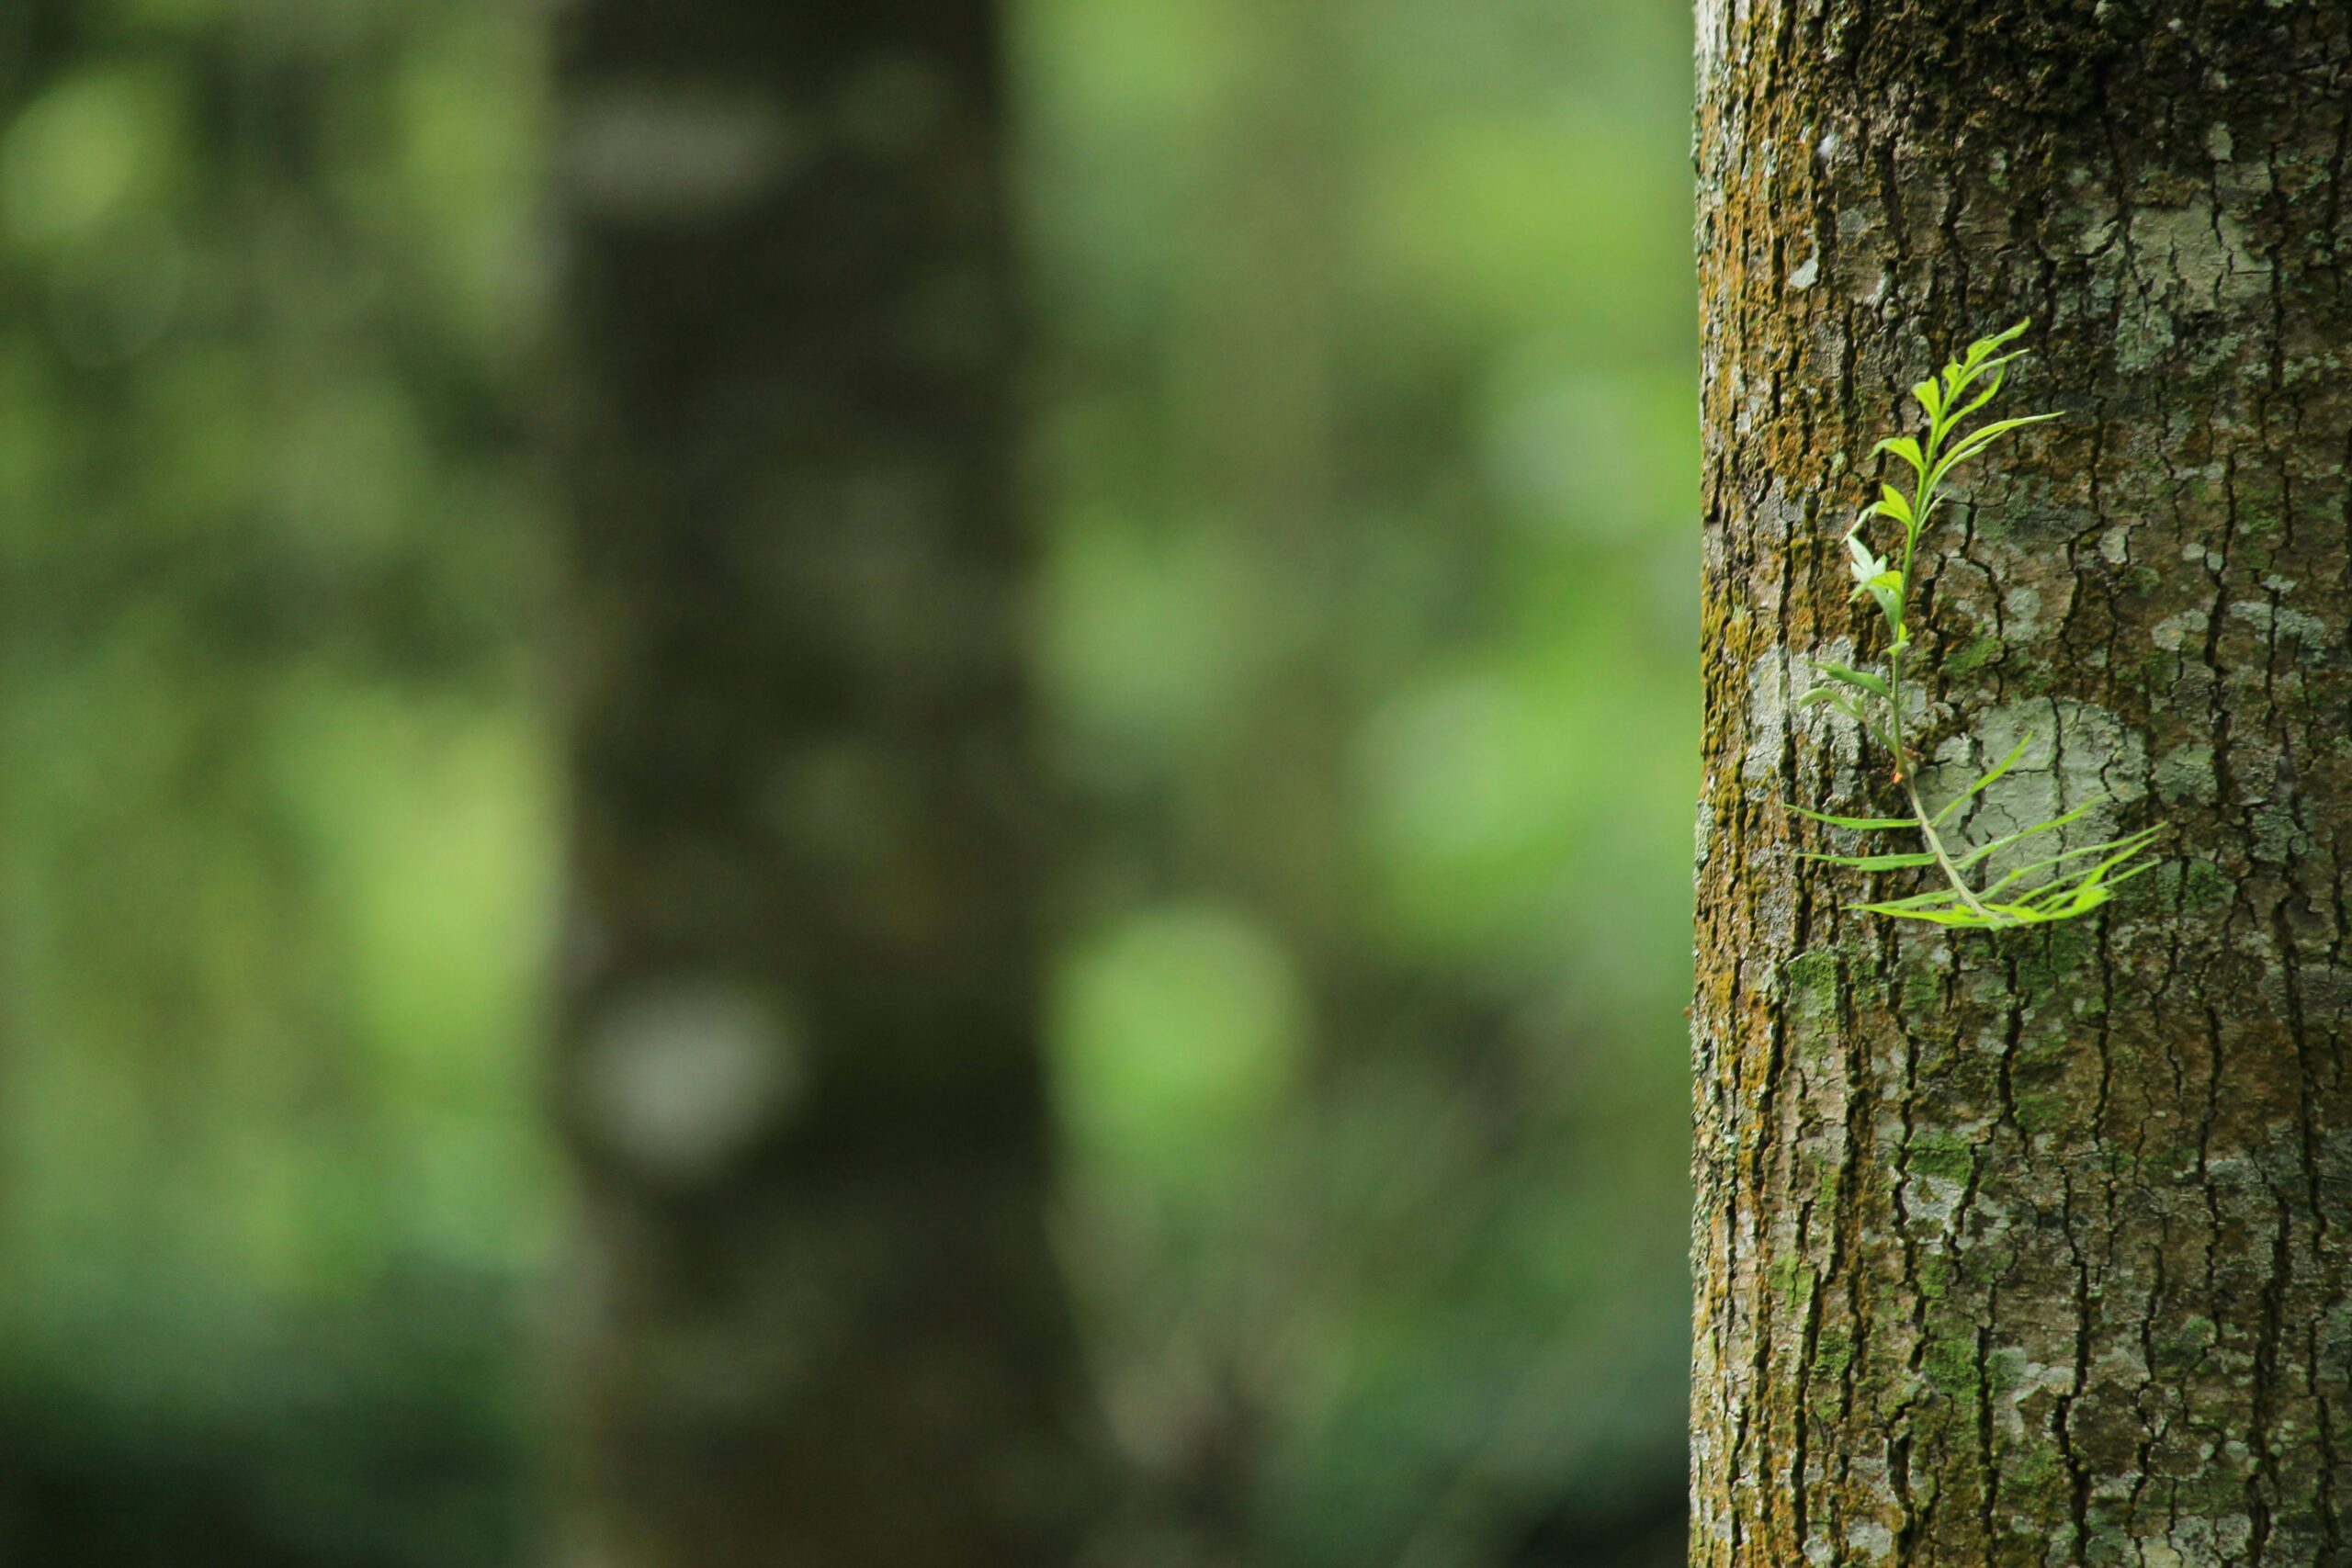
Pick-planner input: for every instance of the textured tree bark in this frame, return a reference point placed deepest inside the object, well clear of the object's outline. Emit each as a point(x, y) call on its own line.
point(819, 1319)
point(2031, 1248)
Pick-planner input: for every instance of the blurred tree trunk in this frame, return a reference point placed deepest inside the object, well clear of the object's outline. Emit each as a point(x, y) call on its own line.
point(2033, 1249)
point(819, 1323)
point(1263, 819)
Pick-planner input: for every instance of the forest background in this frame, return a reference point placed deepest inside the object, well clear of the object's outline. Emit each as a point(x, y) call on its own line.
point(1361, 446)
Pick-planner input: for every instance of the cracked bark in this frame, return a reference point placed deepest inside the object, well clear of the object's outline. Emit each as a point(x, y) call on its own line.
point(814, 1317)
point(2030, 1249)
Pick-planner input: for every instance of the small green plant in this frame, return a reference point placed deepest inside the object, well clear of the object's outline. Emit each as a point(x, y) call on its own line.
point(2058, 887)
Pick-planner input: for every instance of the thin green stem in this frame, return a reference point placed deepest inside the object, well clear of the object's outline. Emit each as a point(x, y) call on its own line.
point(1905, 771)
point(1923, 505)
point(1943, 857)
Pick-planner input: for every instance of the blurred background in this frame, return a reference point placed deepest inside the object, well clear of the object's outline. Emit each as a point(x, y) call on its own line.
point(1362, 442)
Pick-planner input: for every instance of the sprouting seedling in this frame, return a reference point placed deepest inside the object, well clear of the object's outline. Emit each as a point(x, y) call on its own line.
point(2056, 888)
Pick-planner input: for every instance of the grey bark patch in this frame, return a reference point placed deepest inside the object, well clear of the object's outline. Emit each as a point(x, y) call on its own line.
point(2174, 631)
point(653, 153)
point(1776, 684)
point(2186, 773)
point(681, 1078)
point(2077, 754)
point(2281, 624)
point(1771, 688)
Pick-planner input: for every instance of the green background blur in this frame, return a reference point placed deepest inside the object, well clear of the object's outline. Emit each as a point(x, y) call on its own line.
point(1364, 456)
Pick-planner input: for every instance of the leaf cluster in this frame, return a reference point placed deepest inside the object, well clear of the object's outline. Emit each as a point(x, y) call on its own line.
point(2056, 887)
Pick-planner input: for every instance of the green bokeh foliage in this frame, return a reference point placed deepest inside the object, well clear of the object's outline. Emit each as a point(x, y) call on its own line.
point(1363, 464)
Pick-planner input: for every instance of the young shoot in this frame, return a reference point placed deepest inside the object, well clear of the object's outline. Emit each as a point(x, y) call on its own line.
point(2057, 887)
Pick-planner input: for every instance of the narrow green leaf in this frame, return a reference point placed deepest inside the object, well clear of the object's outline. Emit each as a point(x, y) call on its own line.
point(1989, 393)
point(2130, 844)
point(1984, 346)
point(1984, 436)
point(2096, 875)
point(1976, 440)
point(1866, 565)
point(2141, 870)
point(1893, 502)
point(1830, 696)
point(1961, 917)
point(2015, 915)
point(2077, 900)
point(1958, 379)
point(1869, 824)
point(2006, 839)
point(1935, 899)
point(1905, 447)
point(1875, 862)
point(1863, 678)
point(1887, 589)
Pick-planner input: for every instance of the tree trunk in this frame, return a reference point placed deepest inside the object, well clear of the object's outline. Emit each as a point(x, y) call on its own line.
point(2030, 1248)
point(819, 1319)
